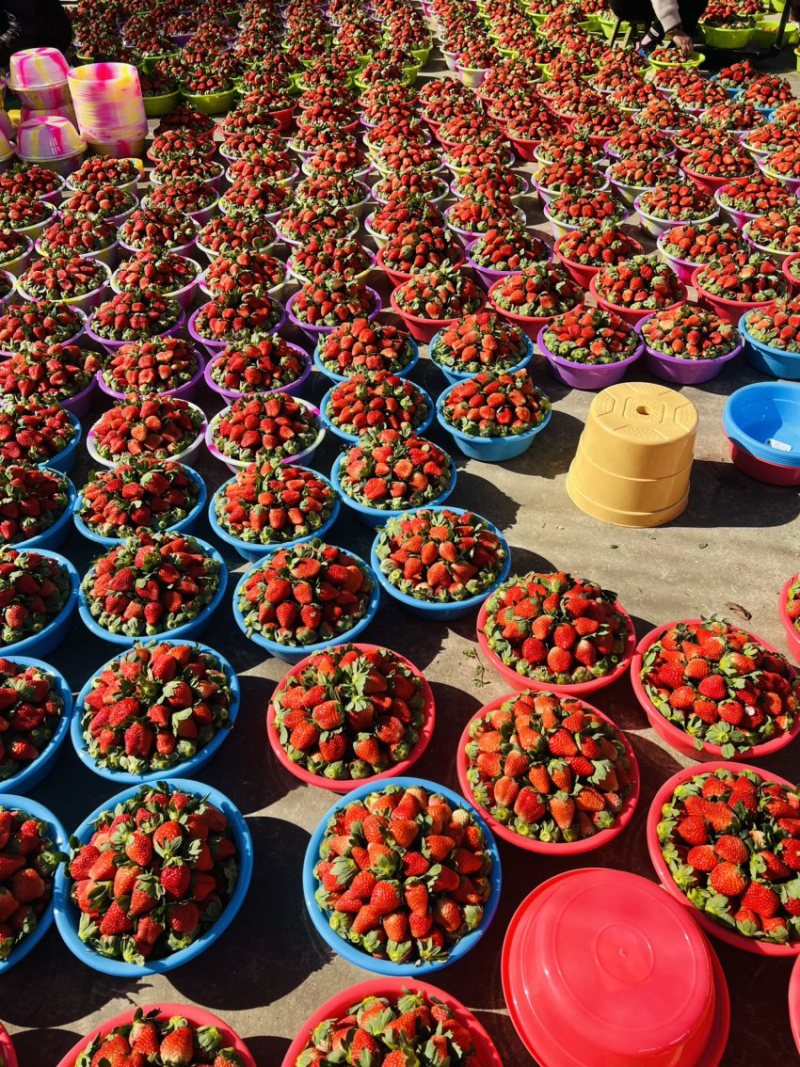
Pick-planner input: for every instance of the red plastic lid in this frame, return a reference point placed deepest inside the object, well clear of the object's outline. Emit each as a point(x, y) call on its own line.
point(603, 966)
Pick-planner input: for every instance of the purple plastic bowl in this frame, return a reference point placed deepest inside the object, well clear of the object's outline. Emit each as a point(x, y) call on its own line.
point(683, 371)
point(6, 353)
point(112, 346)
point(313, 333)
point(185, 295)
point(81, 403)
point(178, 250)
point(683, 268)
point(292, 389)
point(187, 391)
point(738, 218)
point(213, 348)
point(584, 376)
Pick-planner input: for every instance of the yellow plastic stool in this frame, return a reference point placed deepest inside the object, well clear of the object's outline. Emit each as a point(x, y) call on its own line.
point(634, 458)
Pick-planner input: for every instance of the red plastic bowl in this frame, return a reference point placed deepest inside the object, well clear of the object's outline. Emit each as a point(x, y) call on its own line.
point(394, 987)
point(705, 181)
point(525, 147)
point(423, 330)
point(633, 316)
point(730, 937)
point(519, 681)
point(792, 633)
point(679, 739)
point(729, 310)
point(195, 1015)
point(791, 281)
point(794, 1004)
point(284, 117)
point(7, 1048)
point(426, 733)
point(760, 470)
point(530, 324)
point(400, 277)
point(581, 272)
point(529, 844)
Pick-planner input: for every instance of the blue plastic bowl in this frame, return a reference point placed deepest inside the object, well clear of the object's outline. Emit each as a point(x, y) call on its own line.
point(187, 767)
point(41, 767)
point(292, 654)
point(764, 420)
point(374, 517)
point(776, 362)
point(489, 449)
point(352, 438)
point(453, 377)
point(354, 955)
point(190, 629)
point(55, 632)
point(64, 460)
point(55, 536)
point(184, 526)
point(67, 915)
point(253, 553)
point(441, 612)
point(59, 835)
point(337, 378)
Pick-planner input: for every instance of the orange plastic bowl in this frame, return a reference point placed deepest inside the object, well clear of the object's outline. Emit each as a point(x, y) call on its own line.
point(348, 785)
point(723, 933)
point(579, 689)
point(530, 844)
point(679, 739)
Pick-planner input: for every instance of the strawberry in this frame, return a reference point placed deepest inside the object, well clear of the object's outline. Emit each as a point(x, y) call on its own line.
point(728, 879)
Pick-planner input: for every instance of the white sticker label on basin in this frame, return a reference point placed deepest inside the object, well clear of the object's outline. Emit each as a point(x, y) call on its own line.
point(781, 446)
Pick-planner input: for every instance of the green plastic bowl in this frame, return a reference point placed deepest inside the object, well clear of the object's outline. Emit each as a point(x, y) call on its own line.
point(694, 60)
point(726, 39)
point(766, 30)
point(157, 106)
point(210, 103)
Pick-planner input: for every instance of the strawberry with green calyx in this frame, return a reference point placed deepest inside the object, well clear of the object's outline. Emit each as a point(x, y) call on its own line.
point(158, 426)
point(548, 768)
point(29, 858)
point(156, 365)
point(438, 295)
point(154, 1038)
point(51, 372)
point(364, 347)
point(495, 405)
point(366, 403)
point(143, 493)
point(271, 503)
point(403, 874)
point(264, 427)
point(350, 713)
point(151, 583)
point(720, 684)
point(40, 320)
point(135, 316)
point(391, 471)
point(31, 501)
point(440, 556)
point(410, 1030)
point(33, 592)
point(155, 706)
point(556, 628)
point(330, 300)
point(305, 594)
point(153, 875)
point(482, 341)
point(731, 841)
point(31, 707)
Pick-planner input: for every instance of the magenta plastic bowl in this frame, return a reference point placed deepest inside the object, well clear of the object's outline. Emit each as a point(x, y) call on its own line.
point(422, 330)
point(684, 371)
point(581, 273)
point(683, 268)
point(293, 388)
point(586, 375)
point(213, 348)
point(738, 218)
point(723, 933)
point(679, 739)
point(729, 310)
point(531, 844)
point(520, 681)
point(652, 989)
point(187, 391)
point(313, 333)
point(187, 1011)
point(80, 404)
point(112, 346)
point(339, 1004)
point(348, 785)
point(792, 633)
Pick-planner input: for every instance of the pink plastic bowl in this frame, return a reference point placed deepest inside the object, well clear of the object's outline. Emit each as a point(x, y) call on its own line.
point(705, 181)
point(792, 281)
point(195, 1015)
point(729, 310)
point(679, 739)
point(530, 324)
point(530, 844)
point(423, 330)
point(730, 937)
point(399, 277)
point(347, 786)
point(631, 315)
point(338, 1005)
point(794, 1004)
point(519, 681)
point(581, 272)
point(792, 633)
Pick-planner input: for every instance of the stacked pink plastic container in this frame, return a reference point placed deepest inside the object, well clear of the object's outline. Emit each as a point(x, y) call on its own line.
point(109, 106)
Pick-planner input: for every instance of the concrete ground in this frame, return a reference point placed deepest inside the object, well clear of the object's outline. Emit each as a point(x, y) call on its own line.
point(729, 553)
